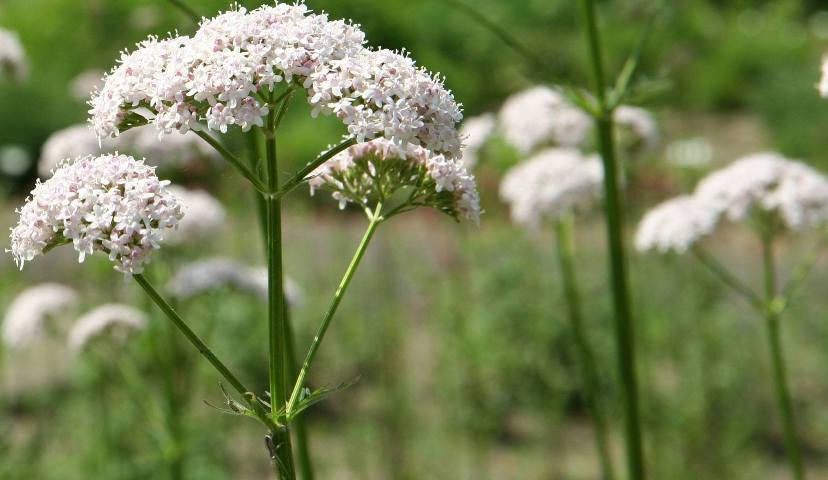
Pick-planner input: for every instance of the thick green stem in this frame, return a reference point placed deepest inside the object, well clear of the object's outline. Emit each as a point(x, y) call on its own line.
point(376, 219)
point(783, 396)
point(589, 371)
point(624, 328)
point(203, 349)
point(277, 334)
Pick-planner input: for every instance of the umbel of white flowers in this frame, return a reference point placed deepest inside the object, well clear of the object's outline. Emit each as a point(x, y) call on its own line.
point(13, 64)
point(792, 193)
point(373, 171)
point(218, 77)
point(540, 117)
point(551, 185)
point(30, 310)
point(113, 204)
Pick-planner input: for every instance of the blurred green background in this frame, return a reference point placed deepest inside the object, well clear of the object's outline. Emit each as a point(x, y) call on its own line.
point(457, 335)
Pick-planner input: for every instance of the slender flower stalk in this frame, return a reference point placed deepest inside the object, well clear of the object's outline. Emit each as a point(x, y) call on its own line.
point(374, 222)
point(783, 396)
point(614, 213)
point(565, 232)
point(204, 350)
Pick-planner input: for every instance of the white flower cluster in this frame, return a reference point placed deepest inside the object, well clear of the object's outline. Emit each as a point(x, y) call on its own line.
point(794, 193)
point(28, 312)
point(213, 273)
point(539, 116)
point(676, 225)
point(474, 132)
point(797, 193)
point(551, 184)
point(111, 319)
point(376, 169)
point(112, 203)
point(222, 74)
point(202, 214)
point(170, 151)
point(12, 59)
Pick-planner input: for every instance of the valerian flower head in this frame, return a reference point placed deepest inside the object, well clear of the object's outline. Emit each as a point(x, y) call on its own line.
point(552, 184)
point(203, 276)
point(27, 313)
point(112, 203)
point(13, 64)
point(374, 171)
point(202, 214)
point(541, 116)
point(676, 225)
point(796, 194)
point(474, 132)
point(224, 73)
point(112, 319)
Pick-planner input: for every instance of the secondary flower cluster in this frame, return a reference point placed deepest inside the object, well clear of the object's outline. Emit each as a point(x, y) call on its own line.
point(223, 74)
point(552, 184)
point(792, 193)
point(12, 59)
point(111, 203)
point(373, 171)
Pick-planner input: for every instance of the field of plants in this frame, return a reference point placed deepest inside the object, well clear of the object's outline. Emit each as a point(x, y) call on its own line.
point(428, 239)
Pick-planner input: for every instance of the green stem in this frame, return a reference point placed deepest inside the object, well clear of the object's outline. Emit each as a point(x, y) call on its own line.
point(234, 160)
point(310, 167)
point(203, 349)
point(376, 219)
point(783, 396)
point(728, 279)
point(276, 311)
point(591, 382)
point(624, 328)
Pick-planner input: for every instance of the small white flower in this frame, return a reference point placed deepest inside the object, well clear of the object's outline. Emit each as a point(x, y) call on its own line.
point(12, 59)
point(27, 313)
point(474, 132)
point(676, 225)
point(370, 171)
point(112, 319)
point(769, 182)
point(210, 274)
point(112, 203)
point(540, 116)
point(203, 215)
point(552, 184)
